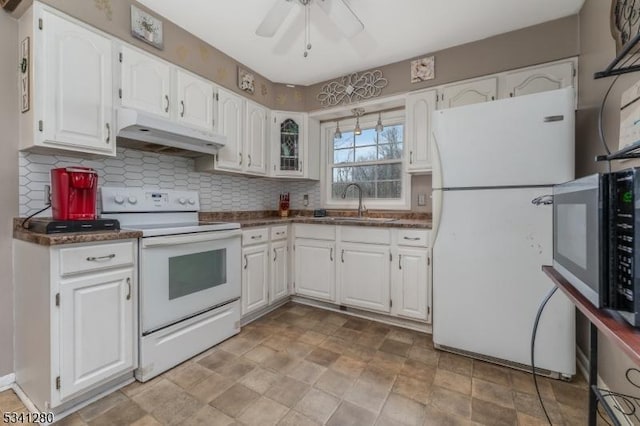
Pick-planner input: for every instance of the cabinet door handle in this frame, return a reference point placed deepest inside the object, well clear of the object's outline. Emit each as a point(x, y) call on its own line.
point(101, 258)
point(181, 108)
point(275, 255)
point(342, 256)
point(240, 154)
point(166, 108)
point(410, 157)
point(331, 254)
point(301, 166)
point(108, 132)
point(256, 237)
point(399, 261)
point(249, 156)
point(412, 238)
point(129, 288)
point(246, 261)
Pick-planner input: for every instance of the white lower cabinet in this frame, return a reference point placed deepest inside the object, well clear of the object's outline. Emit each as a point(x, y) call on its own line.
point(255, 277)
point(315, 268)
point(412, 284)
point(265, 277)
point(363, 276)
point(279, 271)
point(383, 270)
point(96, 329)
point(76, 312)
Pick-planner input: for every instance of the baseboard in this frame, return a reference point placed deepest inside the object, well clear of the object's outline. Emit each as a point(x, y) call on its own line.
point(582, 362)
point(25, 399)
point(7, 381)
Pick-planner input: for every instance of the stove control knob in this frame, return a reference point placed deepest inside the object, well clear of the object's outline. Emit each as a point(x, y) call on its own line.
point(192, 201)
point(119, 199)
point(132, 200)
point(182, 200)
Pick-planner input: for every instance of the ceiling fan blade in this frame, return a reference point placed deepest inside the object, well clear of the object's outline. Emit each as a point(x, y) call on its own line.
point(342, 15)
point(275, 17)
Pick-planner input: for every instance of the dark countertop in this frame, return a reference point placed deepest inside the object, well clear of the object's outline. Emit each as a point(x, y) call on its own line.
point(19, 233)
point(395, 219)
point(332, 220)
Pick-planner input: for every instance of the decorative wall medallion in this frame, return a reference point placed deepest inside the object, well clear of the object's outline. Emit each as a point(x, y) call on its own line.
point(423, 69)
point(25, 65)
point(104, 6)
point(352, 88)
point(625, 21)
point(263, 89)
point(146, 28)
point(246, 81)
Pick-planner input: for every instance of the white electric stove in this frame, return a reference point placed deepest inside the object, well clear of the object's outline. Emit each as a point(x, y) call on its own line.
point(189, 274)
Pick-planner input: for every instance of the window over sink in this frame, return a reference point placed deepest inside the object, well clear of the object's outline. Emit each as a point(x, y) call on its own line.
point(373, 160)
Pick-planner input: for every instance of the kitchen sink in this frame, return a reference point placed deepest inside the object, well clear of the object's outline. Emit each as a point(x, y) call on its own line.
point(358, 219)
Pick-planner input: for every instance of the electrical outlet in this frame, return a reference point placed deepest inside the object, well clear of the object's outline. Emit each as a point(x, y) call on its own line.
point(305, 200)
point(422, 199)
point(47, 195)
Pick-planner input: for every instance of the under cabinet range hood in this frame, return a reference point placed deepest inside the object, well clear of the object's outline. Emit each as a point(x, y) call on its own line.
point(148, 132)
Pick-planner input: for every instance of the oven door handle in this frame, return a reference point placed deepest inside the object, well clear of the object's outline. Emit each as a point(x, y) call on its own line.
point(172, 240)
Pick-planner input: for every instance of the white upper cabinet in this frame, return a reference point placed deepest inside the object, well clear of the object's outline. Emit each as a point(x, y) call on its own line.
point(288, 143)
point(418, 135)
point(195, 98)
point(230, 121)
point(145, 82)
point(256, 138)
point(72, 86)
point(539, 79)
point(472, 92)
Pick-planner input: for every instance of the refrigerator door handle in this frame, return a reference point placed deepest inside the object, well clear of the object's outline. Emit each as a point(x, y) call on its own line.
point(552, 118)
point(543, 200)
point(436, 195)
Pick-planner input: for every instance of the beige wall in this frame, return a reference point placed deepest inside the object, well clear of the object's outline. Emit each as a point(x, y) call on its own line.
point(597, 50)
point(529, 46)
point(8, 180)
point(180, 47)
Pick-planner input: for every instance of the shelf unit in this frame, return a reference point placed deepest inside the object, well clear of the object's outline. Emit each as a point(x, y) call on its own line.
point(617, 331)
point(617, 66)
point(631, 151)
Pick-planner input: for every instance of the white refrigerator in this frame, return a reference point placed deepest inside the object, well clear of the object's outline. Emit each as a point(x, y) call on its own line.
point(491, 161)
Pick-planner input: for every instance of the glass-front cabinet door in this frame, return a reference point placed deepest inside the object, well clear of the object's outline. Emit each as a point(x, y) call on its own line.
point(289, 144)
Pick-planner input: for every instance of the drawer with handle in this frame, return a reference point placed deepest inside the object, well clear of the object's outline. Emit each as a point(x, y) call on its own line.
point(83, 259)
point(278, 233)
point(255, 236)
point(413, 237)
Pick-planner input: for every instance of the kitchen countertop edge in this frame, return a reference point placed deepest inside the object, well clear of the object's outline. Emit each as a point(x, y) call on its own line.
point(333, 220)
point(73, 237)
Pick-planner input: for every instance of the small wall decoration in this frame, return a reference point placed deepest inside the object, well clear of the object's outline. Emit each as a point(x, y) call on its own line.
point(146, 28)
point(352, 88)
point(423, 69)
point(25, 65)
point(246, 81)
point(625, 22)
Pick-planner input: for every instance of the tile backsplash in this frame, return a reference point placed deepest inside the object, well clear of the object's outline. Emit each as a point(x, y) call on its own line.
point(132, 168)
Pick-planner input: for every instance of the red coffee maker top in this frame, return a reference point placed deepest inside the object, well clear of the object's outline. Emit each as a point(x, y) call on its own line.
point(74, 193)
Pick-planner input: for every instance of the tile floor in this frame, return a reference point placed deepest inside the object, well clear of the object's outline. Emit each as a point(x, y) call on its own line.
point(303, 366)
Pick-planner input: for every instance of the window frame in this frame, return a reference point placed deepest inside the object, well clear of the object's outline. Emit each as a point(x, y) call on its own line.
point(327, 130)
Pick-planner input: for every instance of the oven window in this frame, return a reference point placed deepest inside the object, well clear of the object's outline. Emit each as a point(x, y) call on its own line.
point(192, 273)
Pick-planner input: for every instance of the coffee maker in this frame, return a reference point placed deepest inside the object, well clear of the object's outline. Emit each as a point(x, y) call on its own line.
point(73, 193)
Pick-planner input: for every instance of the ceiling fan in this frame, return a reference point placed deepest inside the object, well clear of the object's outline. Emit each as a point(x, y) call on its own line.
point(337, 10)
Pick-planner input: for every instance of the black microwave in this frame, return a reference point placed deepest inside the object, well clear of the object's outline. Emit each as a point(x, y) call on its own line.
point(596, 230)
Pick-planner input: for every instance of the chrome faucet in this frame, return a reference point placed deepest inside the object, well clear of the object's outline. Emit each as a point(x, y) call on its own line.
point(360, 208)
